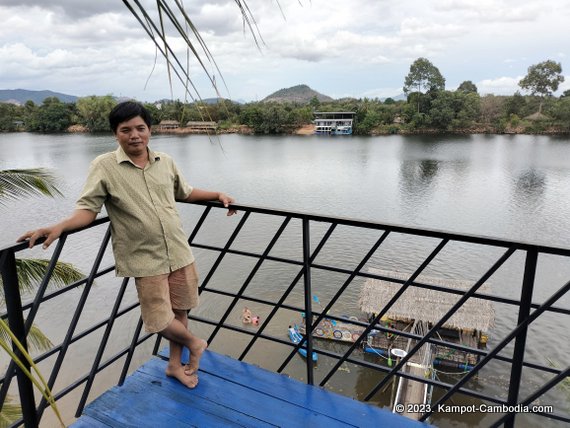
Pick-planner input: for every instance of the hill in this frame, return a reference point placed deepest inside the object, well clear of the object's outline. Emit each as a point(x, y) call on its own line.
point(296, 94)
point(20, 96)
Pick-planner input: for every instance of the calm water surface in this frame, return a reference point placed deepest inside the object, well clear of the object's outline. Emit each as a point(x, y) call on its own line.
point(512, 187)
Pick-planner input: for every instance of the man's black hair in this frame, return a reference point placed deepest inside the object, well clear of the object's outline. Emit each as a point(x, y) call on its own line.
point(127, 110)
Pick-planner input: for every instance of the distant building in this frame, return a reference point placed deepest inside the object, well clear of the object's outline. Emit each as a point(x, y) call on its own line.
point(168, 124)
point(334, 122)
point(202, 126)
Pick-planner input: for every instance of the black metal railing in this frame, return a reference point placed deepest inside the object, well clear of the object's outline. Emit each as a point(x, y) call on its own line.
point(316, 233)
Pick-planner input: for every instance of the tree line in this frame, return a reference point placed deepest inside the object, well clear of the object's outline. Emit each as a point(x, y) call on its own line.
point(429, 107)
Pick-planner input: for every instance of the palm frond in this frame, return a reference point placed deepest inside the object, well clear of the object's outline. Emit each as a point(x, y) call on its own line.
point(18, 183)
point(10, 412)
point(37, 341)
point(32, 271)
point(39, 381)
point(183, 26)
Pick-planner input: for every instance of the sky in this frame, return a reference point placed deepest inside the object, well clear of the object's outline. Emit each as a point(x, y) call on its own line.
point(340, 48)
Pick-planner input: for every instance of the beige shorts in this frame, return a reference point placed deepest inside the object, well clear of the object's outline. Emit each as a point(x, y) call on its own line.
point(160, 294)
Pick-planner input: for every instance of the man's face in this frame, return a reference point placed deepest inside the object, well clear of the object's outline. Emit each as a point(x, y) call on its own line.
point(133, 136)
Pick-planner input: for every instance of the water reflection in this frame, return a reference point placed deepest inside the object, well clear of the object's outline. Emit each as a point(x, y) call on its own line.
point(529, 189)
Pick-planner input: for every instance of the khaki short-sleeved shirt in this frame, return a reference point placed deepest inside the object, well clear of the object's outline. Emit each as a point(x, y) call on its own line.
point(146, 230)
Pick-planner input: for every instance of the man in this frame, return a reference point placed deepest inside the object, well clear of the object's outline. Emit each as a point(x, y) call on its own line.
point(139, 188)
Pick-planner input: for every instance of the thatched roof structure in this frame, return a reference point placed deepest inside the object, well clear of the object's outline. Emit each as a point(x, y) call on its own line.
point(427, 305)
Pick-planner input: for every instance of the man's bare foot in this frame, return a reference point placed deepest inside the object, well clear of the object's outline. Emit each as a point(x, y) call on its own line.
point(190, 381)
point(195, 355)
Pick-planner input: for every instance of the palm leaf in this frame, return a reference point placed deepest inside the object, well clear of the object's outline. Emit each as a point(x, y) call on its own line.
point(18, 183)
point(10, 412)
point(32, 271)
point(37, 341)
point(183, 27)
point(39, 381)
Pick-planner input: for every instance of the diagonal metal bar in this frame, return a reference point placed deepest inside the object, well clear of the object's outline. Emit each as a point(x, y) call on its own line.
point(157, 344)
point(199, 224)
point(102, 346)
point(282, 299)
point(77, 314)
point(546, 387)
point(224, 251)
point(385, 309)
point(535, 314)
point(249, 278)
point(131, 352)
point(442, 321)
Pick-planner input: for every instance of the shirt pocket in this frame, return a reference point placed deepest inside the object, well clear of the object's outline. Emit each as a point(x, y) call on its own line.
point(162, 191)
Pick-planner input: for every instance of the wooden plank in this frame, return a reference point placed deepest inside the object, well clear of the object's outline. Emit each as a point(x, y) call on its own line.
point(230, 393)
point(237, 396)
point(152, 401)
point(87, 421)
point(292, 392)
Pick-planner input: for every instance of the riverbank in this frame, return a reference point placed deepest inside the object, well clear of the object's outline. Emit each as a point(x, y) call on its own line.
point(309, 129)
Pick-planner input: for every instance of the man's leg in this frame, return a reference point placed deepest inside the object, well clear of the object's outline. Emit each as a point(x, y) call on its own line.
point(156, 310)
point(178, 334)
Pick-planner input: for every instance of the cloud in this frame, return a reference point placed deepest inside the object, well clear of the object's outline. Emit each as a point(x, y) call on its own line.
point(499, 86)
point(359, 47)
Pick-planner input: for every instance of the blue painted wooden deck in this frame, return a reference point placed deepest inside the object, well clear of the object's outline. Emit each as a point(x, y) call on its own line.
point(230, 394)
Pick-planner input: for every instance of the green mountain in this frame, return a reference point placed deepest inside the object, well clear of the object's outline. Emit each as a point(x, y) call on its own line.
point(296, 94)
point(20, 96)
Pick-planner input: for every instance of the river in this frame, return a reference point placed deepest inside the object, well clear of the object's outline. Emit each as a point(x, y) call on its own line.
point(512, 187)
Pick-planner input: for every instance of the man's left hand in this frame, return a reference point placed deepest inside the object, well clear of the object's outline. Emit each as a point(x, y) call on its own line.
point(227, 200)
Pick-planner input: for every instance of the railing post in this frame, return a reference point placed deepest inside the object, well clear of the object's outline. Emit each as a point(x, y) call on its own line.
point(308, 298)
point(16, 323)
point(520, 340)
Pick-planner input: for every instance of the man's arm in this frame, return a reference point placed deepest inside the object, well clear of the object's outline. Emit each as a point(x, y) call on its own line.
point(206, 195)
point(78, 219)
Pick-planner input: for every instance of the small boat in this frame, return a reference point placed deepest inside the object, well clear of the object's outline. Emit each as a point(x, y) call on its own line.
point(296, 337)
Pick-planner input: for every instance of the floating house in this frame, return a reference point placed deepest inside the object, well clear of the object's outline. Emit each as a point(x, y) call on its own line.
point(202, 126)
point(469, 326)
point(334, 122)
point(165, 125)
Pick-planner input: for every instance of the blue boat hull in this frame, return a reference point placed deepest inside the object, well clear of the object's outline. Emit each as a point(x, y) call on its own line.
point(296, 337)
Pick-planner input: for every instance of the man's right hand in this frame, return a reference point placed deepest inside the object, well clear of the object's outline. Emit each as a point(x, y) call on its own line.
point(50, 233)
point(79, 218)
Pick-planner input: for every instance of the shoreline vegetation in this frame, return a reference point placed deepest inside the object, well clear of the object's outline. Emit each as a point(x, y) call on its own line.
point(310, 130)
point(436, 112)
point(426, 108)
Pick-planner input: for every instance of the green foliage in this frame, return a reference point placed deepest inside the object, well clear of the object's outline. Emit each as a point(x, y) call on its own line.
point(440, 109)
point(10, 115)
point(423, 75)
point(93, 112)
point(560, 112)
point(517, 105)
point(51, 116)
point(314, 103)
point(467, 87)
point(19, 183)
point(543, 78)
